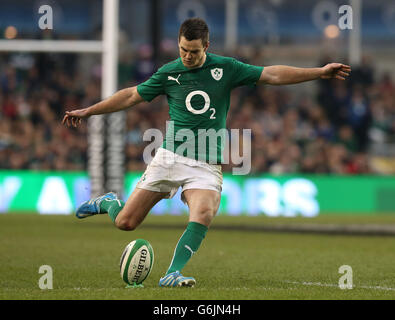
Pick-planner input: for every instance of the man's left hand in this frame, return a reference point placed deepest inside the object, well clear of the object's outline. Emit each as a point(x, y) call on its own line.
point(336, 70)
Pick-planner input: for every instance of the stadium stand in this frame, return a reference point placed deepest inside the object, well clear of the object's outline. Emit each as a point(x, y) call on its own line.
point(329, 132)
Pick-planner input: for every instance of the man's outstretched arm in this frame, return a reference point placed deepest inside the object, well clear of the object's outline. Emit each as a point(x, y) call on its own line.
point(280, 75)
point(120, 100)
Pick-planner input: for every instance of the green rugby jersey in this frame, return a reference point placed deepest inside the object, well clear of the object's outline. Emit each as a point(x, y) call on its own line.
point(198, 101)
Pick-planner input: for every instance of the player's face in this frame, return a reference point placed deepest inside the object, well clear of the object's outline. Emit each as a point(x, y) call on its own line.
point(192, 52)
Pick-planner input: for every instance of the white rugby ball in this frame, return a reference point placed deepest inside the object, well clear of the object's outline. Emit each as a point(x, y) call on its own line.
point(136, 261)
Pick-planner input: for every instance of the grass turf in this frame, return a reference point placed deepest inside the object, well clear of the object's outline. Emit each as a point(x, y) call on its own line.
point(231, 264)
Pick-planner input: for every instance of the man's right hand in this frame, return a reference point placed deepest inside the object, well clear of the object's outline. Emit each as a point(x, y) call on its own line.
point(120, 100)
point(73, 118)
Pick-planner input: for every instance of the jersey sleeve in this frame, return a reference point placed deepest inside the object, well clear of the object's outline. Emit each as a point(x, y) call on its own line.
point(245, 74)
point(151, 88)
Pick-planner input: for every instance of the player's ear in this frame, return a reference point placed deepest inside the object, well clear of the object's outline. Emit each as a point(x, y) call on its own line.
point(206, 46)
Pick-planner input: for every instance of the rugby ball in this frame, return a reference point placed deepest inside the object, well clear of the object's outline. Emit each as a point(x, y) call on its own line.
point(136, 261)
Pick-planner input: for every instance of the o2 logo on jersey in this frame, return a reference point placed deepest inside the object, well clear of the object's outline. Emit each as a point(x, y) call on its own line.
point(206, 103)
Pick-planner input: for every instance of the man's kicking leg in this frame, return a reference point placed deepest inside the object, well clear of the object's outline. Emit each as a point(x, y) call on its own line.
point(126, 216)
point(203, 205)
point(136, 208)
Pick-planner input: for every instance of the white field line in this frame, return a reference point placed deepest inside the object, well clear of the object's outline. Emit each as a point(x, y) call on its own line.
point(166, 289)
point(319, 284)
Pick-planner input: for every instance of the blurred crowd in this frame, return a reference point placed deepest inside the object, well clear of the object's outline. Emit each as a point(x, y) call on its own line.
point(328, 132)
point(292, 132)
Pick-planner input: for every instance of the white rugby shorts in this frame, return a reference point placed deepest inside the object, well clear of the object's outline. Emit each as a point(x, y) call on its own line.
point(168, 171)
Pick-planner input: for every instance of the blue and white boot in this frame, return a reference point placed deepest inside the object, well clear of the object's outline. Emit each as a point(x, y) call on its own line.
point(92, 207)
point(176, 279)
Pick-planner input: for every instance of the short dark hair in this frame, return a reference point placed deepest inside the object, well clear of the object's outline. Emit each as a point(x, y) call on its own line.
point(194, 28)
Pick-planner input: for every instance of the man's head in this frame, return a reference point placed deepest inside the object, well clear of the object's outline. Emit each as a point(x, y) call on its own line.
point(193, 41)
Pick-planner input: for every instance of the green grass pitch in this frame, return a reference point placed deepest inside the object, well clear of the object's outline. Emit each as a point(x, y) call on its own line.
point(231, 264)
